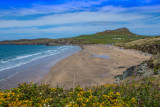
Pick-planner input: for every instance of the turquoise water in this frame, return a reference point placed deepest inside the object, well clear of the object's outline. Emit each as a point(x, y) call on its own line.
point(12, 56)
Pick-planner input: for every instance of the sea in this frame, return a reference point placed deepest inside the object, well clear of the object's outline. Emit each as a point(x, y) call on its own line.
point(14, 57)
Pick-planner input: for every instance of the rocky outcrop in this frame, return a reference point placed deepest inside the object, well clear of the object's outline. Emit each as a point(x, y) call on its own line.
point(120, 31)
point(147, 68)
point(154, 63)
point(134, 71)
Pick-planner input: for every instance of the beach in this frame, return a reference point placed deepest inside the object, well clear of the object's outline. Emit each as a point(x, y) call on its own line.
point(93, 65)
point(35, 71)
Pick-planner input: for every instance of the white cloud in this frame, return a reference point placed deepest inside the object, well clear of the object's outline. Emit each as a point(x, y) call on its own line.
point(70, 18)
point(61, 29)
point(107, 17)
point(146, 9)
point(45, 9)
point(87, 29)
point(113, 8)
point(75, 6)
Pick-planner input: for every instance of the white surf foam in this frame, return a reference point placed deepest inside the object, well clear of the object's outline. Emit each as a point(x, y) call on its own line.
point(32, 57)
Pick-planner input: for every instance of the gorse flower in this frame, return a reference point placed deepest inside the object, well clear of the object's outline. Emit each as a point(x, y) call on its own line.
point(141, 93)
point(117, 94)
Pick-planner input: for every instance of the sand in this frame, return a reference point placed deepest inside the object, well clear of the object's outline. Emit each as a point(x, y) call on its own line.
point(33, 71)
point(85, 69)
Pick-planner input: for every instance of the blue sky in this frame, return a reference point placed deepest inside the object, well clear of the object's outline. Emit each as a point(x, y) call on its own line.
point(29, 19)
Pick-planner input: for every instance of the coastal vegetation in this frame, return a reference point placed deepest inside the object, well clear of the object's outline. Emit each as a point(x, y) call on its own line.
point(144, 92)
point(154, 63)
point(107, 37)
point(150, 45)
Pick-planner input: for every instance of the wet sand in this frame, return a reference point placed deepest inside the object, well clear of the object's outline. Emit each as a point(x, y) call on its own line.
point(32, 72)
point(94, 65)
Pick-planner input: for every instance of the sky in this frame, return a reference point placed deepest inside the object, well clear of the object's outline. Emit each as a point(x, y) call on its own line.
point(30, 19)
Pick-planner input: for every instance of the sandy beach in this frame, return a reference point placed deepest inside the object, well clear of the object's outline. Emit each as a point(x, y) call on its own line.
point(33, 71)
point(93, 65)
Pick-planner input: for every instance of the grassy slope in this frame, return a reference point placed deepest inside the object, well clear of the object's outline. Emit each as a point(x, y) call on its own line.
point(110, 36)
point(106, 38)
point(149, 45)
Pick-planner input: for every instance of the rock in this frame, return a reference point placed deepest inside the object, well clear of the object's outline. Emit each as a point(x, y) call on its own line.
point(154, 62)
point(139, 70)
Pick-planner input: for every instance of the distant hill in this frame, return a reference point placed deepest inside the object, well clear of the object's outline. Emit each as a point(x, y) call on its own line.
point(108, 36)
point(120, 31)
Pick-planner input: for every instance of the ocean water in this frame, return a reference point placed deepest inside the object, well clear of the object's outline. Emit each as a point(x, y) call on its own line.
point(12, 56)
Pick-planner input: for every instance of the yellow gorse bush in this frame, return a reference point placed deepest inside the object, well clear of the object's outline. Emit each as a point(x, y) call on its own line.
point(143, 93)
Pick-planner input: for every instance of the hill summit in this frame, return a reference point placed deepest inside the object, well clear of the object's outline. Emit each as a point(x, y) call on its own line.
point(120, 31)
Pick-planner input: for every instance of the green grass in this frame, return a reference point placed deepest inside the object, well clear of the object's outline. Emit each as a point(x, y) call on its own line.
point(83, 39)
point(105, 38)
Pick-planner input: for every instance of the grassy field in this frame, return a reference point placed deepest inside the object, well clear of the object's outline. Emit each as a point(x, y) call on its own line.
point(141, 93)
point(106, 38)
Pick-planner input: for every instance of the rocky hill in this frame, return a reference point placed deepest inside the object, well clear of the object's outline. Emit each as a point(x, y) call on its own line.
point(120, 31)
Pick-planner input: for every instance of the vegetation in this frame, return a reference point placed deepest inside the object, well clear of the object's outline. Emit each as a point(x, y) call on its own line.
point(108, 36)
point(106, 39)
point(149, 45)
point(136, 93)
point(154, 63)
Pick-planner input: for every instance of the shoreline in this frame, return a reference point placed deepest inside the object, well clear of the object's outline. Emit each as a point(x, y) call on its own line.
point(34, 71)
point(90, 66)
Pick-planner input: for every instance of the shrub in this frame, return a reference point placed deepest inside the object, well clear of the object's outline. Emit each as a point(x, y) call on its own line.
point(140, 93)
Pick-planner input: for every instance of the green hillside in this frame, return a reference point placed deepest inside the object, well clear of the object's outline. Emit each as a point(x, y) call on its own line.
point(108, 36)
